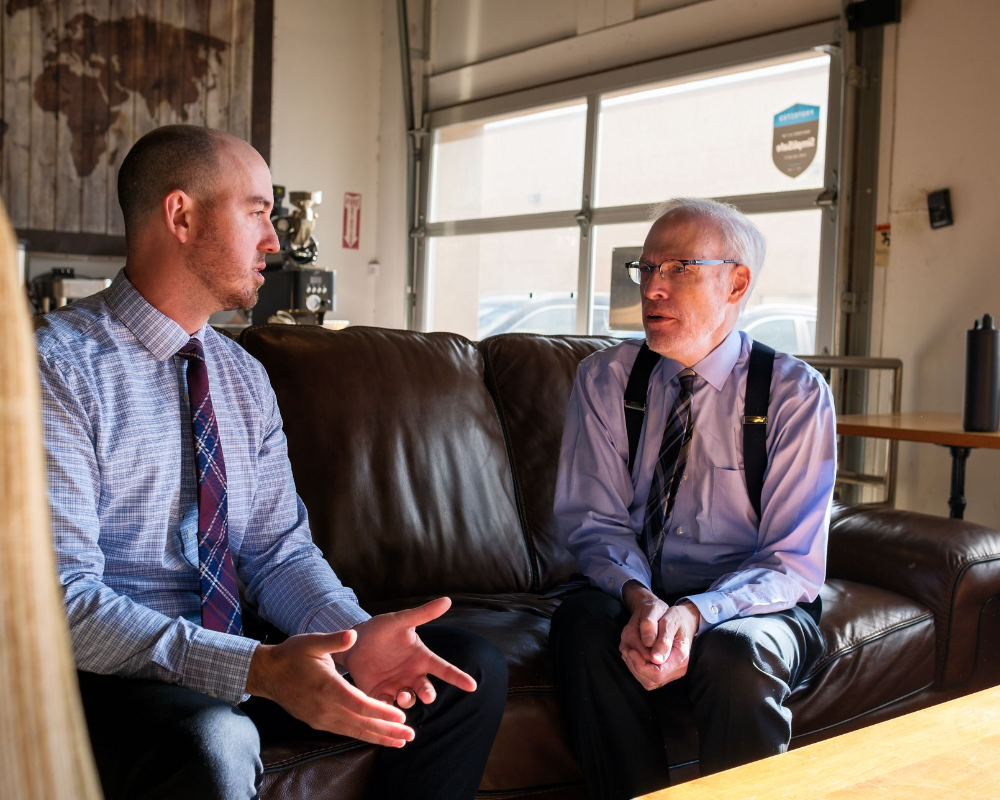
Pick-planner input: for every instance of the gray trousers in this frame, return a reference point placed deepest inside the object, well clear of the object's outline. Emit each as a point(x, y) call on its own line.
point(156, 741)
point(739, 676)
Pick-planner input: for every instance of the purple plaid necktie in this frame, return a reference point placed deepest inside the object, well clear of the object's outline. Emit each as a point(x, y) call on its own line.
point(667, 476)
point(220, 600)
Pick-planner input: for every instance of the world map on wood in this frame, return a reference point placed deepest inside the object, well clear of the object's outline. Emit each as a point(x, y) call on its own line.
point(83, 79)
point(73, 65)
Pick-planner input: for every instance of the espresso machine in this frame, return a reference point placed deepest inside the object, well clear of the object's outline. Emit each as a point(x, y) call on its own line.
point(295, 291)
point(61, 286)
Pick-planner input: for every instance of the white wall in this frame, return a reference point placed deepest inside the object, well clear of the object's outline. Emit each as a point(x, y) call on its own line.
point(941, 128)
point(325, 127)
point(337, 126)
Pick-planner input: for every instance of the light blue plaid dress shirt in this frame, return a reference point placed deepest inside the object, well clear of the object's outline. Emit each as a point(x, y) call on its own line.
point(123, 495)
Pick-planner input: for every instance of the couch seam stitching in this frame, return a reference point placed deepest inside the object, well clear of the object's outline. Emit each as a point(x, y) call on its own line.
point(490, 381)
point(879, 634)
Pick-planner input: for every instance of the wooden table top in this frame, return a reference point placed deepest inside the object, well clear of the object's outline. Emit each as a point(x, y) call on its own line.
point(935, 427)
point(950, 751)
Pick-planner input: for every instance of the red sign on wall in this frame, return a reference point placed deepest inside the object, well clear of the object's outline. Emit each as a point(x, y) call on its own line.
point(352, 220)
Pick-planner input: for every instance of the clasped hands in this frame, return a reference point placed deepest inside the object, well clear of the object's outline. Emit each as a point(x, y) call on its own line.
point(656, 642)
point(387, 663)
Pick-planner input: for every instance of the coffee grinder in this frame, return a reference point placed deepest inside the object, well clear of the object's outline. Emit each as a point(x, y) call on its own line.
point(294, 290)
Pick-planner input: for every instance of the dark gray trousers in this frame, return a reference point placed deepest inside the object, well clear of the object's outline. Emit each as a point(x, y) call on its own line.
point(739, 677)
point(159, 741)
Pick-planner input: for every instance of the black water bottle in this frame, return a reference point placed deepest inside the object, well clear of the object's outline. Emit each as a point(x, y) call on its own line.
point(982, 376)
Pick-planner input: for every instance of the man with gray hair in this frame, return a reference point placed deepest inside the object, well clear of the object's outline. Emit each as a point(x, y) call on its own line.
point(694, 490)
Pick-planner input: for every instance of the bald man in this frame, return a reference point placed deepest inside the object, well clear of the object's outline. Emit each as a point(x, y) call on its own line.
point(169, 481)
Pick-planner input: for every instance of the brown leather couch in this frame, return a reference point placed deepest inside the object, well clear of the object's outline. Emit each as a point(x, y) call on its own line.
point(427, 463)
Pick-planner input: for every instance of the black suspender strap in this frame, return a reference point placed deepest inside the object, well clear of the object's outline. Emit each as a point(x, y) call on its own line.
point(754, 412)
point(635, 398)
point(755, 420)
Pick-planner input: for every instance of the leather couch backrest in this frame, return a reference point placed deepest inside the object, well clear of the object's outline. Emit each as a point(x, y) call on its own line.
point(530, 377)
point(398, 455)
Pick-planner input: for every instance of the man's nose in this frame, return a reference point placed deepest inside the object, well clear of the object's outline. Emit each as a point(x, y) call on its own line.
point(655, 287)
point(270, 244)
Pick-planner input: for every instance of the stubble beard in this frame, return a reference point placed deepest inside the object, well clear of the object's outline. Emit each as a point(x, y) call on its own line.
point(212, 265)
point(248, 298)
point(683, 343)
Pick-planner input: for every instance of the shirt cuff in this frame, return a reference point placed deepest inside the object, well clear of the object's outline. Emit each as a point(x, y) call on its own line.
point(612, 577)
point(714, 607)
point(337, 617)
point(218, 664)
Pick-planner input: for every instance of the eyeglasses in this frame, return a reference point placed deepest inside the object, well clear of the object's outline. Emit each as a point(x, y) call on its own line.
point(640, 272)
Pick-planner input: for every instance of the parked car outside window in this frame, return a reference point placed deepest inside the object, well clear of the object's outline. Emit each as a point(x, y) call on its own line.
point(787, 328)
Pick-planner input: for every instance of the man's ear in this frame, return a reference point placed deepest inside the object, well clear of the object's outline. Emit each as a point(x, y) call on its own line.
point(178, 209)
point(739, 283)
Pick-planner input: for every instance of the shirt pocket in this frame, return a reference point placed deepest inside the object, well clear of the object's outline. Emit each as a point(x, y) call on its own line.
point(730, 515)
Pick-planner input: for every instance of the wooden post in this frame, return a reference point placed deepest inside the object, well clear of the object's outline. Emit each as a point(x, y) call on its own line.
point(44, 749)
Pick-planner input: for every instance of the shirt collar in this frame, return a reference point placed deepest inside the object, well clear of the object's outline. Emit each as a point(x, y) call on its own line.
point(155, 331)
point(716, 367)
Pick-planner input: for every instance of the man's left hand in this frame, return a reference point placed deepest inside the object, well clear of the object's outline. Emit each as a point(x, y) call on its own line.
point(664, 658)
point(390, 663)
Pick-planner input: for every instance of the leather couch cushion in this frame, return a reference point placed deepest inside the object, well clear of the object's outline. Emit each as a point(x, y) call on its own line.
point(531, 378)
point(398, 455)
point(950, 566)
point(323, 767)
point(880, 649)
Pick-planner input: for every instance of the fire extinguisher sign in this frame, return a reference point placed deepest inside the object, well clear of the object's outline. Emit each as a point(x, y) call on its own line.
point(352, 220)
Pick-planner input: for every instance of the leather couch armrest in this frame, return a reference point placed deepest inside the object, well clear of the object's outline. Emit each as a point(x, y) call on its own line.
point(949, 565)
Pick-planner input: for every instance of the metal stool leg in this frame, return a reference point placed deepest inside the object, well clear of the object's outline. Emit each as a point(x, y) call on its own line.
point(959, 455)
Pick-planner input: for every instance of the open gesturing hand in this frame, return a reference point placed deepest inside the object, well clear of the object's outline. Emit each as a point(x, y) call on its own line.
point(390, 663)
point(300, 675)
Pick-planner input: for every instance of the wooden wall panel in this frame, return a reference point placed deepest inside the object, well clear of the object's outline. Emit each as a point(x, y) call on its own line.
point(241, 69)
point(42, 165)
point(121, 130)
point(172, 68)
point(16, 116)
point(71, 111)
point(146, 61)
point(217, 94)
point(81, 80)
point(96, 44)
point(196, 18)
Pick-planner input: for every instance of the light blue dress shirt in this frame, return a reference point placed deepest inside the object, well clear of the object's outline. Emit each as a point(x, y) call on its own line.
point(714, 551)
point(123, 495)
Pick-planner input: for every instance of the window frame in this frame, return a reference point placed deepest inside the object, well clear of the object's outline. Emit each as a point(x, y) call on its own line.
point(823, 37)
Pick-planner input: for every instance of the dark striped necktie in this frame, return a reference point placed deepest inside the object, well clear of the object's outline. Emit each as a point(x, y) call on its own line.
point(220, 601)
point(667, 475)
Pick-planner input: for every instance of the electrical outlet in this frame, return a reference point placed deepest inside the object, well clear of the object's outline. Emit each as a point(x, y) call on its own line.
point(939, 208)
